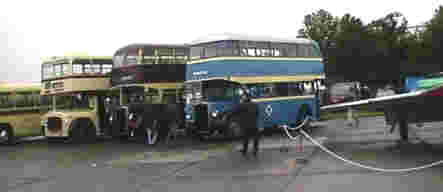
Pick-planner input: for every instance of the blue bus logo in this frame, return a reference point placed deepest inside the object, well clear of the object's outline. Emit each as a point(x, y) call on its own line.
point(268, 110)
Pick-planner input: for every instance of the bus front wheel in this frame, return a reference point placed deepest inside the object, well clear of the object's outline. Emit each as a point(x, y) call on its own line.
point(7, 134)
point(82, 130)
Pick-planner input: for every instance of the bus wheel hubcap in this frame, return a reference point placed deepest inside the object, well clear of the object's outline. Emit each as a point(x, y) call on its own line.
point(3, 134)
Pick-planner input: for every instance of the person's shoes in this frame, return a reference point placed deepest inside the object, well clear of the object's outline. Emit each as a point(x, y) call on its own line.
point(284, 149)
point(243, 152)
point(255, 153)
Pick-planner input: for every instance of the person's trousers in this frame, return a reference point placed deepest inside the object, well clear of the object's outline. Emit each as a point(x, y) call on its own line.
point(251, 135)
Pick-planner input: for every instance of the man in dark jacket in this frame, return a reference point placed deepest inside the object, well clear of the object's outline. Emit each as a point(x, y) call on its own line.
point(247, 113)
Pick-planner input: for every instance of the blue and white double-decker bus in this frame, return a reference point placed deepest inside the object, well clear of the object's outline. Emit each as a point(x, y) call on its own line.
point(283, 76)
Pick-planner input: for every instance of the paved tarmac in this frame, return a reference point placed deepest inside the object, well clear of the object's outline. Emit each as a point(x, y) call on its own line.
point(218, 166)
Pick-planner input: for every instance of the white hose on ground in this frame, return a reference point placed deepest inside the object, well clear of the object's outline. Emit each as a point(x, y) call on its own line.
point(286, 128)
point(356, 163)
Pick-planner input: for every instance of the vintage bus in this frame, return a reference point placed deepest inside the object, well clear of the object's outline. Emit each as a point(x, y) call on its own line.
point(149, 77)
point(76, 87)
point(20, 111)
point(285, 76)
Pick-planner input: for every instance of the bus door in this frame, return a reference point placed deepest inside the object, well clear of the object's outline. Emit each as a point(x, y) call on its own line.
point(102, 116)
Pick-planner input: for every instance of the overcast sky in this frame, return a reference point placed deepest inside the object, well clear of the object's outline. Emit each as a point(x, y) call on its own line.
point(31, 29)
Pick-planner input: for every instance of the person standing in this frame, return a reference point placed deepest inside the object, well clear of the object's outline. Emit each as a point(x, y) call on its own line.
point(390, 117)
point(247, 113)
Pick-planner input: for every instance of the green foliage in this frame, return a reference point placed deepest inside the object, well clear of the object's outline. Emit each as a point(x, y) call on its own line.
point(362, 51)
point(382, 50)
point(319, 26)
point(324, 116)
point(423, 50)
point(433, 35)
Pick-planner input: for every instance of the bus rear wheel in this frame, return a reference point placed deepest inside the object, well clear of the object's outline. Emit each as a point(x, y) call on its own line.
point(234, 129)
point(148, 134)
point(152, 135)
point(7, 134)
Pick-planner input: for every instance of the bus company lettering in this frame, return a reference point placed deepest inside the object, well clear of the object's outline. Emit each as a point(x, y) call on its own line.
point(268, 110)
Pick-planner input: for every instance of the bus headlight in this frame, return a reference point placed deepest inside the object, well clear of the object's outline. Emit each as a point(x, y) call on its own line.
point(214, 114)
point(188, 117)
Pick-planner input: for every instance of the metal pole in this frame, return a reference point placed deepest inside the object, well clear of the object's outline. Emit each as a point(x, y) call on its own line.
point(99, 118)
point(54, 104)
point(36, 104)
point(14, 99)
point(121, 95)
point(161, 95)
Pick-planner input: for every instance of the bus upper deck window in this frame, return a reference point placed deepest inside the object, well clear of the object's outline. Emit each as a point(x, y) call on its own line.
point(66, 68)
point(118, 60)
point(277, 53)
point(58, 70)
point(292, 51)
point(77, 68)
point(106, 68)
point(87, 68)
point(266, 52)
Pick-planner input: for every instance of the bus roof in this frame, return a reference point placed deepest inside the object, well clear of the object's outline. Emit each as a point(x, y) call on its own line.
point(232, 36)
point(56, 59)
point(143, 45)
point(19, 87)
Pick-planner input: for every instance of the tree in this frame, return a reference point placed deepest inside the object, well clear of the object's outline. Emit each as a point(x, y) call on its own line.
point(388, 31)
point(422, 50)
point(369, 53)
point(381, 51)
point(433, 39)
point(349, 37)
point(319, 26)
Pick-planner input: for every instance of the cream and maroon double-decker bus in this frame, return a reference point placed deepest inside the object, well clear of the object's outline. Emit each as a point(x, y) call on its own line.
point(149, 78)
point(76, 86)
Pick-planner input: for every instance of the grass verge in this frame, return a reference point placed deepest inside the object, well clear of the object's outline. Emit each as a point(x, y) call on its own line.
point(342, 115)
